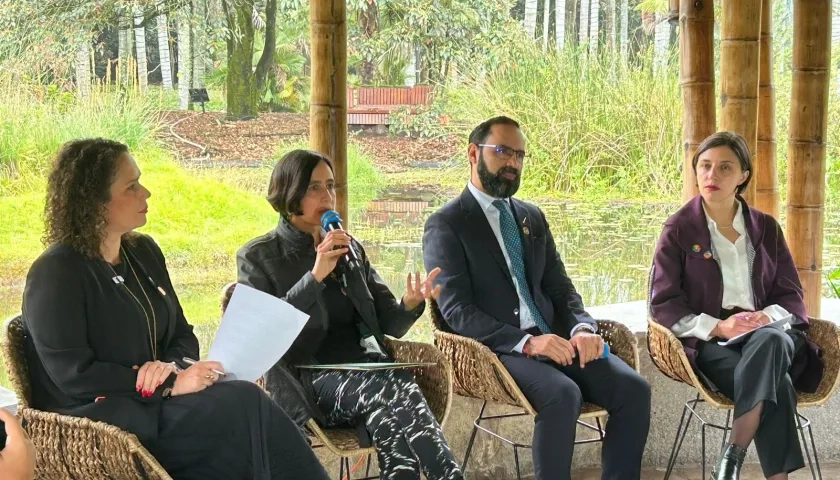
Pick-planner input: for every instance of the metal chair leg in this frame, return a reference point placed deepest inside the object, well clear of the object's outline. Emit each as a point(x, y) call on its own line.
point(367, 470)
point(805, 444)
point(600, 428)
point(814, 447)
point(516, 462)
point(341, 469)
point(685, 420)
point(703, 451)
point(723, 437)
point(472, 438)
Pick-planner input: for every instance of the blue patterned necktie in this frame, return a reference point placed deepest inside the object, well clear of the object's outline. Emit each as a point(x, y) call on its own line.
point(513, 245)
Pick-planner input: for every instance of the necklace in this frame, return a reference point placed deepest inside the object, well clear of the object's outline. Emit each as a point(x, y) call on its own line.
point(150, 323)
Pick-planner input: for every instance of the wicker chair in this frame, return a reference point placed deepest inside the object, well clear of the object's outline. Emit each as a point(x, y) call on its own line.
point(435, 383)
point(73, 447)
point(478, 373)
point(668, 355)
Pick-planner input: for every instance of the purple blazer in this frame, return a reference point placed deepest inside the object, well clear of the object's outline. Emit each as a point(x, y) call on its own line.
point(686, 279)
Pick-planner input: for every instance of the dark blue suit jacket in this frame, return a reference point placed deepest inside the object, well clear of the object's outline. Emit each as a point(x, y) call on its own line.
point(478, 298)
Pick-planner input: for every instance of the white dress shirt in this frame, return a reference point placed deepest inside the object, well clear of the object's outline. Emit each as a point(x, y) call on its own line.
point(485, 201)
point(737, 284)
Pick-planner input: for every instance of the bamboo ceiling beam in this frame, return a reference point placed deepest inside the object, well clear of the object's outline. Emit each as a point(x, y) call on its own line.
point(739, 55)
point(806, 143)
point(766, 182)
point(673, 11)
point(328, 107)
point(697, 79)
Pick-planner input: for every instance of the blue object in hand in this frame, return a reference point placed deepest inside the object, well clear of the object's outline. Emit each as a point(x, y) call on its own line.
point(606, 350)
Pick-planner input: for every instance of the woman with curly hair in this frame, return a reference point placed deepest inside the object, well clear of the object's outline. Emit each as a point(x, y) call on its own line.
point(106, 335)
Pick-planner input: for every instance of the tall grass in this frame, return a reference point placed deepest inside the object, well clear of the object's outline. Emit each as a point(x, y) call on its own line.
point(36, 120)
point(592, 123)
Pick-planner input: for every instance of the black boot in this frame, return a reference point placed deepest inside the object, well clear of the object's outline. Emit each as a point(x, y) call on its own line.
point(729, 464)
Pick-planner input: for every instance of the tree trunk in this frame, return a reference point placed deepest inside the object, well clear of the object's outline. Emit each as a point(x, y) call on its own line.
point(163, 48)
point(560, 23)
point(198, 43)
point(185, 63)
point(531, 17)
point(624, 17)
point(242, 100)
point(546, 21)
point(265, 66)
point(328, 107)
point(583, 31)
point(766, 183)
point(125, 51)
point(697, 79)
point(83, 69)
point(369, 19)
point(661, 39)
point(140, 42)
point(611, 27)
point(594, 26)
point(806, 144)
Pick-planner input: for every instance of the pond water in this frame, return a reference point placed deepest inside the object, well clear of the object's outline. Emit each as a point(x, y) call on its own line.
point(607, 249)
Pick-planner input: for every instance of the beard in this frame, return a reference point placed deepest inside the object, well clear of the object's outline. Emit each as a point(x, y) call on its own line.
point(495, 183)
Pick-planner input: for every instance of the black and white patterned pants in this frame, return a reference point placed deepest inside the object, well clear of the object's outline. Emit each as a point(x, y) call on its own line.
point(406, 434)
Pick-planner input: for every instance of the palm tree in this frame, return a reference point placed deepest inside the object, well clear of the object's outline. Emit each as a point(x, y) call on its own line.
point(125, 49)
point(583, 33)
point(83, 69)
point(546, 21)
point(624, 18)
point(140, 42)
point(531, 17)
point(560, 23)
point(185, 64)
point(163, 49)
point(594, 26)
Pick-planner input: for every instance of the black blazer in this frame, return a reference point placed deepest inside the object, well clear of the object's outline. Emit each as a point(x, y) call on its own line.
point(478, 298)
point(84, 334)
point(280, 263)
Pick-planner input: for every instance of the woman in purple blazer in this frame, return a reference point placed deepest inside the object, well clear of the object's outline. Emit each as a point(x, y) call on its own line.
point(722, 269)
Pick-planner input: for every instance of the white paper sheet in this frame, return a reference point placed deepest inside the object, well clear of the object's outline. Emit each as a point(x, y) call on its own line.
point(256, 331)
point(781, 324)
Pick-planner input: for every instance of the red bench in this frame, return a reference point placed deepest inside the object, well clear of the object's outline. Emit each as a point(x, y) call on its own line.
point(374, 105)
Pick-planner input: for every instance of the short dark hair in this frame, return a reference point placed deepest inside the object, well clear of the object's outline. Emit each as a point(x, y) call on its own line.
point(482, 131)
point(734, 142)
point(78, 190)
point(290, 180)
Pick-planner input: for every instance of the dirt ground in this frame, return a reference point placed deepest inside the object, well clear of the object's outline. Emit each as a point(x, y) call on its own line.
point(257, 141)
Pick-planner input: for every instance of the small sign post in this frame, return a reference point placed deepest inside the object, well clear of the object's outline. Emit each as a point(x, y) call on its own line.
point(199, 95)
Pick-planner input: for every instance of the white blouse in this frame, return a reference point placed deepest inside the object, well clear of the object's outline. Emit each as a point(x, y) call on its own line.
point(737, 284)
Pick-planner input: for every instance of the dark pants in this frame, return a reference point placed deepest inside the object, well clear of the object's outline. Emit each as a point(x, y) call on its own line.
point(757, 371)
point(557, 394)
point(406, 435)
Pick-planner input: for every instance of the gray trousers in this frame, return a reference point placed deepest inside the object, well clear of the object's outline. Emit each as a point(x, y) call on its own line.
point(757, 371)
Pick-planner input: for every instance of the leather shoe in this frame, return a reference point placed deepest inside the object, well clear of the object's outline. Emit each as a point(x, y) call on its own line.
point(729, 464)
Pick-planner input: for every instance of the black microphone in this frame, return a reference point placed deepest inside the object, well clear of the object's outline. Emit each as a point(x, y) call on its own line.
point(330, 221)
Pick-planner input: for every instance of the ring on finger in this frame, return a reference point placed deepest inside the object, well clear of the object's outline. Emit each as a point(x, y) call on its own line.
point(209, 376)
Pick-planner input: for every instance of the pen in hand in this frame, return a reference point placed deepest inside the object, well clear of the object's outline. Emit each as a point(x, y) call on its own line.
point(190, 361)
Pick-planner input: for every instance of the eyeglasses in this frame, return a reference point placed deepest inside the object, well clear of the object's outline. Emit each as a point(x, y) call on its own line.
point(504, 152)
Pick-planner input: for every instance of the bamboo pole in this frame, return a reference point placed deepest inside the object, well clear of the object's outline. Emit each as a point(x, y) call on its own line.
point(697, 79)
point(765, 175)
point(673, 11)
point(806, 143)
point(328, 108)
point(739, 52)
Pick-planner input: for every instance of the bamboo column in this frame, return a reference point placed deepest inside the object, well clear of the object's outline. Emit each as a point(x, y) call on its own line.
point(673, 11)
point(739, 52)
point(328, 108)
point(806, 143)
point(766, 183)
point(697, 79)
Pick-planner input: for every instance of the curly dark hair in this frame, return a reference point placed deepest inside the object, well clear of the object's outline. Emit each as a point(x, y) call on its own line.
point(78, 189)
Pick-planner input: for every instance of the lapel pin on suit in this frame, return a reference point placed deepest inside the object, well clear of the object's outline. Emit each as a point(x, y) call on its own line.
point(525, 229)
